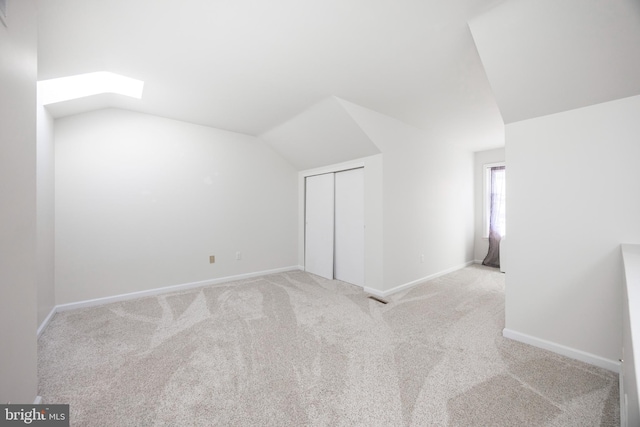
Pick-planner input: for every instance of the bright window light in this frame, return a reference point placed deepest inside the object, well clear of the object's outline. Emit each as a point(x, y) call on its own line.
point(82, 85)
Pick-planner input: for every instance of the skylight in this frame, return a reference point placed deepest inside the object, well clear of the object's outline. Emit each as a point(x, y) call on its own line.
point(82, 85)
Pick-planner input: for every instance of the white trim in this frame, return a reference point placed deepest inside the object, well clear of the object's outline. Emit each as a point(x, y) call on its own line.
point(573, 353)
point(37, 400)
point(624, 400)
point(166, 289)
point(46, 321)
point(383, 294)
point(478, 261)
point(155, 291)
point(339, 167)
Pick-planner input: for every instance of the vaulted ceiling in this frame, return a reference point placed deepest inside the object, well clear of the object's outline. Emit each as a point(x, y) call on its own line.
point(278, 68)
point(249, 66)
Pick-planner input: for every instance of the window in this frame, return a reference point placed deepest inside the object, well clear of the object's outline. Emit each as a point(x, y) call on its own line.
point(81, 85)
point(495, 198)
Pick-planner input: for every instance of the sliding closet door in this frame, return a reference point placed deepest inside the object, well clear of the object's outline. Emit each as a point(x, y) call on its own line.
point(319, 225)
point(349, 226)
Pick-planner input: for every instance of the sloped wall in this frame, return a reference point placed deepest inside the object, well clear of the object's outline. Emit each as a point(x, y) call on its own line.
point(547, 56)
point(322, 135)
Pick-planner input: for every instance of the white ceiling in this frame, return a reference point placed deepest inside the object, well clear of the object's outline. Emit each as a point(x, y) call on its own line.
point(249, 66)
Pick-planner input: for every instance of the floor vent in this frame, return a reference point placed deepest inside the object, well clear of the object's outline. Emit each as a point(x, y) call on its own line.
point(381, 301)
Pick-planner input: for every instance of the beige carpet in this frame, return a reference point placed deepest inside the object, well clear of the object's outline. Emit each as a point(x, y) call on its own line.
point(293, 349)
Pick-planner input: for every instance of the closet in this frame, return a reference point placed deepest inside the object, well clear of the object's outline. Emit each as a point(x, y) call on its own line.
point(334, 225)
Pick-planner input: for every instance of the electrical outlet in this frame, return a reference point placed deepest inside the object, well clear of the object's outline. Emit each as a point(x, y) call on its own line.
point(212, 259)
point(238, 255)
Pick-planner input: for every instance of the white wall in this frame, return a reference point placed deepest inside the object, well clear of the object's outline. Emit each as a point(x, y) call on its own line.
point(427, 183)
point(142, 201)
point(18, 68)
point(482, 158)
point(374, 222)
point(574, 196)
point(45, 214)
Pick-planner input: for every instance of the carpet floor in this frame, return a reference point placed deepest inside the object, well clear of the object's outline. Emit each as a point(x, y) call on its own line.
point(294, 349)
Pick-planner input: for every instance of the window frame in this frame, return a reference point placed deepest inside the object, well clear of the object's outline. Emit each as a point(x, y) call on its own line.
point(486, 198)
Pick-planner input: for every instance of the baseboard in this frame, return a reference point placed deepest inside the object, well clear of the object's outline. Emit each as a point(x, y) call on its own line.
point(374, 292)
point(46, 321)
point(383, 294)
point(166, 289)
point(572, 353)
point(478, 261)
point(624, 401)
